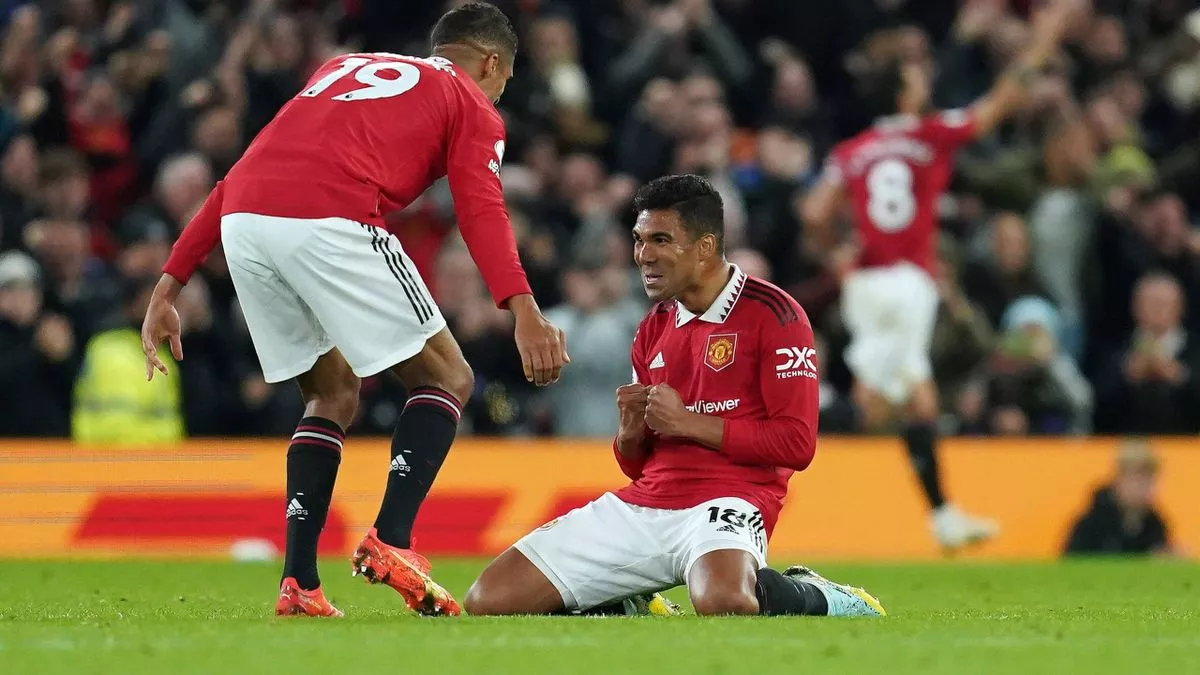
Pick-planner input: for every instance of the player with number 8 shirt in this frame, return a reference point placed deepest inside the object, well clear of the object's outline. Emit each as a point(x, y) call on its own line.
point(329, 295)
point(893, 175)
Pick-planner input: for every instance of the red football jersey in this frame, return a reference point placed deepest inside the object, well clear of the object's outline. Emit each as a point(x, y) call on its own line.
point(894, 174)
point(367, 135)
point(749, 359)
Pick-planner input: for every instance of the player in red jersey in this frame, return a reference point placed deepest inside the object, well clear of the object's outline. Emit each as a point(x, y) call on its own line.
point(893, 175)
point(329, 295)
point(721, 412)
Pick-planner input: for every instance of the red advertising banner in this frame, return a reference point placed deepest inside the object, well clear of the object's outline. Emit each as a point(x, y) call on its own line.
point(857, 501)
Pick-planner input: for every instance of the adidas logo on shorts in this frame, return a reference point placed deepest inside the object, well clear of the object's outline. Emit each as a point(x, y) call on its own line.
point(727, 528)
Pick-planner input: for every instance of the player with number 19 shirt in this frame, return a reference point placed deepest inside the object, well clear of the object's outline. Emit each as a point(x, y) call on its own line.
point(329, 295)
point(366, 137)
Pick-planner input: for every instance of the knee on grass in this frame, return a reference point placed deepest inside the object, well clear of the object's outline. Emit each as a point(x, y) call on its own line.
point(725, 601)
point(481, 600)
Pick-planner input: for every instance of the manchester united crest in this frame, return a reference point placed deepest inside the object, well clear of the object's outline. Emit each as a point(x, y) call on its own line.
point(719, 352)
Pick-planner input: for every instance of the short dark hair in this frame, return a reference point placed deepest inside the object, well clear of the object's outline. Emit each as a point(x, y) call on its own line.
point(475, 23)
point(881, 88)
point(696, 201)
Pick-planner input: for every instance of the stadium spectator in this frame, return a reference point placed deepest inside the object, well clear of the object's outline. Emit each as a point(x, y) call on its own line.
point(182, 183)
point(751, 262)
point(145, 244)
point(114, 405)
point(77, 284)
point(217, 135)
point(1122, 518)
point(1006, 273)
point(37, 350)
point(962, 339)
point(646, 141)
point(500, 402)
point(1152, 385)
point(673, 37)
point(115, 116)
point(1062, 220)
point(795, 103)
point(64, 179)
point(18, 181)
point(99, 130)
point(770, 186)
point(1030, 386)
point(598, 317)
point(557, 95)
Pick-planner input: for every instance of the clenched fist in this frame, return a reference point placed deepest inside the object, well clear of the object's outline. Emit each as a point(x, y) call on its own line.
point(631, 408)
point(665, 412)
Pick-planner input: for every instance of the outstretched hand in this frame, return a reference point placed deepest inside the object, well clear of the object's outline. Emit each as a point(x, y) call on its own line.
point(542, 345)
point(161, 324)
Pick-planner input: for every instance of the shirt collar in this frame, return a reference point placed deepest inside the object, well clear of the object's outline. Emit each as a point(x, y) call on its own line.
point(721, 307)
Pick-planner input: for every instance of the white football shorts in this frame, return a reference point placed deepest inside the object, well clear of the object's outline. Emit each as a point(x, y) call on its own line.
point(308, 285)
point(608, 550)
point(890, 313)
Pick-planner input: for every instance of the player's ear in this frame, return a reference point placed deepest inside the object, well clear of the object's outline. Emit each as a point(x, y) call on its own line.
point(708, 246)
point(492, 65)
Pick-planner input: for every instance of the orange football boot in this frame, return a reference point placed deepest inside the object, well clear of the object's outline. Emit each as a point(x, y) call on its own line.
point(295, 601)
point(407, 572)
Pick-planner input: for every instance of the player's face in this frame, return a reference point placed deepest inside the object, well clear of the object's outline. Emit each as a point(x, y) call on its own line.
point(916, 89)
point(665, 254)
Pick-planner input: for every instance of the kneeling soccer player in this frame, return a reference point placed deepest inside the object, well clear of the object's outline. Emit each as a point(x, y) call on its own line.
point(709, 475)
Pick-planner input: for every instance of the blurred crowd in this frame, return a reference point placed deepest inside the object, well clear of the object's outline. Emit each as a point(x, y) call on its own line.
point(1069, 267)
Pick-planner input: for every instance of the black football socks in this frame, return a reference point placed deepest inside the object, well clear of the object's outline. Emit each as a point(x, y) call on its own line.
point(419, 446)
point(780, 595)
point(312, 466)
point(920, 439)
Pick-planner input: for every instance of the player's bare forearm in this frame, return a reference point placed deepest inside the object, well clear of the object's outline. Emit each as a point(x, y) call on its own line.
point(1012, 87)
point(522, 303)
point(1005, 97)
point(167, 289)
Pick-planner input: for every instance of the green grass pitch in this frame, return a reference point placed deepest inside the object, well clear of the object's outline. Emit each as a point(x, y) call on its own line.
point(130, 618)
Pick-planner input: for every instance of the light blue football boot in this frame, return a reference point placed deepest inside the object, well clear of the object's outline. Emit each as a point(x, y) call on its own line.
point(842, 600)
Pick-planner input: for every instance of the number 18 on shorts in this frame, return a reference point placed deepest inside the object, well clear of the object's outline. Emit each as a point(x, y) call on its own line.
point(608, 550)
